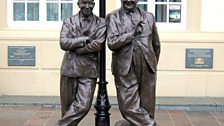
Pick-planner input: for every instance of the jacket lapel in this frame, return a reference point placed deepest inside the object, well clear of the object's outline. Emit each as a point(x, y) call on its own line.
point(76, 25)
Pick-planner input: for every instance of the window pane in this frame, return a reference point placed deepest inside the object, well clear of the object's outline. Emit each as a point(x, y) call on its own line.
point(175, 13)
point(33, 11)
point(52, 12)
point(175, 0)
point(19, 11)
point(66, 10)
point(161, 13)
point(161, 0)
point(143, 7)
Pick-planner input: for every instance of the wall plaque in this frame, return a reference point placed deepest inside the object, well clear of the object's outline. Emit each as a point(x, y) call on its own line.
point(21, 55)
point(199, 58)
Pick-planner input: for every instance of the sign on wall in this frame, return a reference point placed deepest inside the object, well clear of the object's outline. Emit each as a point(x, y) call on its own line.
point(199, 58)
point(21, 55)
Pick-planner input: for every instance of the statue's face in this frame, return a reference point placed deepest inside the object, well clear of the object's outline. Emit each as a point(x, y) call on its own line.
point(86, 7)
point(129, 5)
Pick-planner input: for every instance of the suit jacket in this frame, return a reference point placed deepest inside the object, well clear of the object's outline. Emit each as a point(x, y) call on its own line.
point(81, 58)
point(120, 40)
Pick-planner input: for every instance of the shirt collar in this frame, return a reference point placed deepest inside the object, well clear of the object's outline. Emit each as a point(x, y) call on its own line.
point(137, 11)
point(132, 12)
point(89, 18)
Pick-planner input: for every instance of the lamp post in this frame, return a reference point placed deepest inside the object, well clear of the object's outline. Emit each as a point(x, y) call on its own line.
point(102, 104)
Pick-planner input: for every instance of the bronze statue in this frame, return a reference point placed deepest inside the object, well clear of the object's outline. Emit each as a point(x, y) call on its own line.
point(133, 38)
point(81, 37)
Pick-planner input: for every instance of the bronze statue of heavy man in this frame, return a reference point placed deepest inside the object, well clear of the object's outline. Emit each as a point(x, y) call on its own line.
point(81, 37)
point(133, 38)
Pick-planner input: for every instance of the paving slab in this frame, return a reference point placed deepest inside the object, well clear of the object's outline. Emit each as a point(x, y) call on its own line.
point(162, 117)
point(16, 117)
point(170, 111)
point(202, 119)
point(180, 118)
point(48, 116)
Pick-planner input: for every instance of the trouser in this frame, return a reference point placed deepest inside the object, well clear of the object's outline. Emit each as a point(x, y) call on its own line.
point(136, 92)
point(76, 98)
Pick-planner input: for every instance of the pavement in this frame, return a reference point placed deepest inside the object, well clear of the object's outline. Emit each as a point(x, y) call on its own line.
point(173, 111)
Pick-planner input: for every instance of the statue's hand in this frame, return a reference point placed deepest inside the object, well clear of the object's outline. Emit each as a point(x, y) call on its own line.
point(73, 30)
point(86, 32)
point(138, 28)
point(90, 39)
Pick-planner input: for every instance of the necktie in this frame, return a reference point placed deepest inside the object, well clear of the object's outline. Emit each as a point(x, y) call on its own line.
point(84, 23)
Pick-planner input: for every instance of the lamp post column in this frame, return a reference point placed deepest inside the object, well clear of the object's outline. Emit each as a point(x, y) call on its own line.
point(102, 104)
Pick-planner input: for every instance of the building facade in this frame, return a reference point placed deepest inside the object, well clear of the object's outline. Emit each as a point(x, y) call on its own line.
point(191, 33)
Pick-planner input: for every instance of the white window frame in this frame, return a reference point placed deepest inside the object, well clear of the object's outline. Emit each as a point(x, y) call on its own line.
point(42, 23)
point(166, 26)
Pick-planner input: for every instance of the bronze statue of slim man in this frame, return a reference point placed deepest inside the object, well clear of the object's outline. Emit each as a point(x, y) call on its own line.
point(81, 37)
point(132, 36)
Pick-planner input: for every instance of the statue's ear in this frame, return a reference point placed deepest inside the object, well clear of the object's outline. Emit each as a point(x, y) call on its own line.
point(78, 4)
point(93, 4)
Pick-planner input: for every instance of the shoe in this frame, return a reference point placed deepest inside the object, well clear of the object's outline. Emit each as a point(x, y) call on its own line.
point(155, 124)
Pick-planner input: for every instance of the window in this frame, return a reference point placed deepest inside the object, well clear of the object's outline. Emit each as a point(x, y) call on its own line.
point(28, 11)
point(41, 13)
point(170, 15)
point(54, 13)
